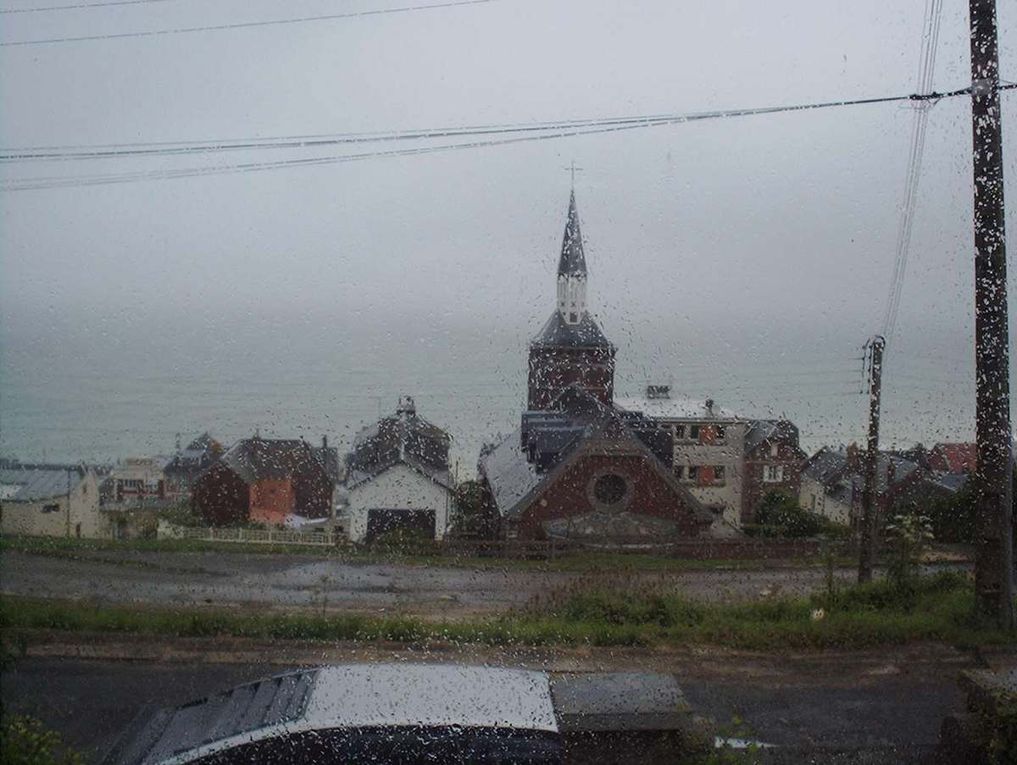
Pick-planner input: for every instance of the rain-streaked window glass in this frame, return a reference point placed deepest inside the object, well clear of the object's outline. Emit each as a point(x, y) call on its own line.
point(506, 381)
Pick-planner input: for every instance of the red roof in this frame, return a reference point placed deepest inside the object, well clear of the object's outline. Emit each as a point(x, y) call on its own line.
point(954, 458)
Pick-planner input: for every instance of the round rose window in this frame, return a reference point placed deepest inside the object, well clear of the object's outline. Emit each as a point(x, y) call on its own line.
point(609, 489)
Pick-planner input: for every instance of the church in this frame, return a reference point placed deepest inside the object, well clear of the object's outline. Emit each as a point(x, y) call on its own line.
point(579, 467)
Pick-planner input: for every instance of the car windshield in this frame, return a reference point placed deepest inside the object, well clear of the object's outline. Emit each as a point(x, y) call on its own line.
point(507, 380)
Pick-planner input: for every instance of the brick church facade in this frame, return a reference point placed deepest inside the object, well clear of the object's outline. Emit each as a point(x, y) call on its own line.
point(579, 467)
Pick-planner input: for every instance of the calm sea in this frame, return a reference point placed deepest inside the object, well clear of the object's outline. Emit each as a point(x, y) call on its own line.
point(104, 390)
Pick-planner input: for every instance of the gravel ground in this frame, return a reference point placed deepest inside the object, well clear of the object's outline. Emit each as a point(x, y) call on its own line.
point(300, 582)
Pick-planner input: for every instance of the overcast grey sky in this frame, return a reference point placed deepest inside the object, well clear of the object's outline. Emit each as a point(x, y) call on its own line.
point(748, 225)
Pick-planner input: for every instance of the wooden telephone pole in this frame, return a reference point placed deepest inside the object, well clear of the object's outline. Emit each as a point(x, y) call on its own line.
point(994, 471)
point(867, 542)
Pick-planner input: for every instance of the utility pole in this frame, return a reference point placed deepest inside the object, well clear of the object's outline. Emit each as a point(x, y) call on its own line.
point(867, 543)
point(994, 471)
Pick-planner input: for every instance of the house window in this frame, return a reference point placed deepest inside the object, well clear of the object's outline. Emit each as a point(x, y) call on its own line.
point(773, 473)
point(51, 508)
point(680, 472)
point(774, 450)
point(720, 431)
point(694, 432)
point(679, 432)
point(718, 474)
point(693, 472)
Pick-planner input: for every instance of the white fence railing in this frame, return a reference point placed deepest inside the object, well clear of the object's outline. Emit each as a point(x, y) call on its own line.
point(318, 538)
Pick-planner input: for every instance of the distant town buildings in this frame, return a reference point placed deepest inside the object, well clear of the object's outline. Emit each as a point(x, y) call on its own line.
point(184, 467)
point(50, 501)
point(397, 478)
point(269, 481)
point(832, 482)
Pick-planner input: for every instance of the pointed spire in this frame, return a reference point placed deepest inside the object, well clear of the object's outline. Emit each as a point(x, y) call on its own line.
point(572, 261)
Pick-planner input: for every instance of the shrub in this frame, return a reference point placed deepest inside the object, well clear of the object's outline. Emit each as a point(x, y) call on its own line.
point(780, 516)
point(26, 741)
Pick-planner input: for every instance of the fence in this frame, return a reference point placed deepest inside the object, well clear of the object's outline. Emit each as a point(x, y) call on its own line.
point(317, 538)
point(695, 549)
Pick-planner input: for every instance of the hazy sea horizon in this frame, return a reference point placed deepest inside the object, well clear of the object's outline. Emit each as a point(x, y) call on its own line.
point(102, 389)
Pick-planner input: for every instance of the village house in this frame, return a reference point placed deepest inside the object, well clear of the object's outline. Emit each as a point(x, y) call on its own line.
point(833, 479)
point(398, 478)
point(728, 462)
point(184, 467)
point(50, 500)
point(707, 448)
point(772, 462)
point(269, 481)
point(953, 458)
point(135, 480)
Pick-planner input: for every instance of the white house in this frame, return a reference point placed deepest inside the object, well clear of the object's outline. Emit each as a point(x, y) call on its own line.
point(397, 478)
point(50, 501)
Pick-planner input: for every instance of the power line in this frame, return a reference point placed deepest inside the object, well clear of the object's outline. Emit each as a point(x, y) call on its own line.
point(926, 73)
point(76, 6)
point(606, 126)
point(244, 24)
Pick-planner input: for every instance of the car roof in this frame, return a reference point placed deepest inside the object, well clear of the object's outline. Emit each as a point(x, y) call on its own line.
point(344, 697)
point(430, 695)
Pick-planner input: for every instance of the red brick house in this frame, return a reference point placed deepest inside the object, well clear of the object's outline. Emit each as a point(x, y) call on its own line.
point(267, 480)
point(773, 461)
point(953, 457)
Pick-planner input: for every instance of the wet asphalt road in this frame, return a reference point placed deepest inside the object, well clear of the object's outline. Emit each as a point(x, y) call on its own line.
point(294, 581)
point(878, 708)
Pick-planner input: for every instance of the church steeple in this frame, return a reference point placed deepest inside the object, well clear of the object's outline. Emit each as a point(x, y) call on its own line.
point(572, 270)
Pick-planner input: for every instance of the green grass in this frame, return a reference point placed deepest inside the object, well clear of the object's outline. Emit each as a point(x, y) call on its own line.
point(573, 562)
point(938, 608)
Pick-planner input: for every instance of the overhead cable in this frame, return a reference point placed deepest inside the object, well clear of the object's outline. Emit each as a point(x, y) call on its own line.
point(610, 126)
point(78, 6)
point(926, 74)
point(242, 24)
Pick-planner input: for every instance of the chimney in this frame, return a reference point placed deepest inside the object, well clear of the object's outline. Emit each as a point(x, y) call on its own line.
point(324, 442)
point(658, 391)
point(854, 462)
point(709, 407)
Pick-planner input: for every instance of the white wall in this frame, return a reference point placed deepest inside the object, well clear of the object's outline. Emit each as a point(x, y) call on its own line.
point(813, 497)
point(28, 517)
point(399, 487)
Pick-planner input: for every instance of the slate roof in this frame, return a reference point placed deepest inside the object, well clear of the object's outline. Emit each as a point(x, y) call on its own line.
point(831, 468)
point(509, 474)
point(572, 261)
point(255, 459)
point(403, 438)
point(30, 484)
point(557, 333)
point(770, 430)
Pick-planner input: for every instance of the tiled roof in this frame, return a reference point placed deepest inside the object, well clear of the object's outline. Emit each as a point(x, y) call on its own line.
point(28, 484)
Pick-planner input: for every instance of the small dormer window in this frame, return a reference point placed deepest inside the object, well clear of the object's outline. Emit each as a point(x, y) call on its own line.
point(573, 317)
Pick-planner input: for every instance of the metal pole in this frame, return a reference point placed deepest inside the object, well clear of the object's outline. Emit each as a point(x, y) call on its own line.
point(67, 530)
point(993, 476)
point(867, 546)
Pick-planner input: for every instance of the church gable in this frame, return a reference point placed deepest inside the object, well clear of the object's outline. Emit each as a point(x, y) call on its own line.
point(611, 489)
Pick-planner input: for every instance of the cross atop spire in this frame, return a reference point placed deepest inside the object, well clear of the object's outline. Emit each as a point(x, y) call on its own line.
point(572, 173)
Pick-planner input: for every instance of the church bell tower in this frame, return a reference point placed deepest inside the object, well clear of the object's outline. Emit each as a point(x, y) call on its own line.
point(570, 349)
